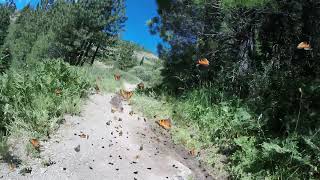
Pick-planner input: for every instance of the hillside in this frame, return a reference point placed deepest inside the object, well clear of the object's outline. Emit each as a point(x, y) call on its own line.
point(233, 93)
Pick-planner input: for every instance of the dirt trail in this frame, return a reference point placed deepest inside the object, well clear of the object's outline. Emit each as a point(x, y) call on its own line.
point(120, 146)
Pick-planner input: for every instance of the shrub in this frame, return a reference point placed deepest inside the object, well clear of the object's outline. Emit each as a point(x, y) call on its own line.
point(204, 117)
point(124, 56)
point(33, 95)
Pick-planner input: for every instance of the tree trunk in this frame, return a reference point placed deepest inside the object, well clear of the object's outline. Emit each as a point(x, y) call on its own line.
point(80, 55)
point(94, 55)
point(246, 48)
point(86, 53)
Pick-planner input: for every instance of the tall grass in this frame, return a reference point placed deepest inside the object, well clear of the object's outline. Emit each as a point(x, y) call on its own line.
point(204, 118)
point(34, 96)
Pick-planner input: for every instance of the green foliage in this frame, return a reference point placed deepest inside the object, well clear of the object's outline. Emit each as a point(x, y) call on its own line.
point(5, 57)
point(254, 153)
point(222, 121)
point(86, 27)
point(149, 72)
point(121, 54)
point(124, 58)
point(244, 3)
point(252, 49)
point(29, 98)
point(4, 22)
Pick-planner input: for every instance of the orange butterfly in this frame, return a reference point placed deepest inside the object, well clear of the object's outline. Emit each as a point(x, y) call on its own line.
point(141, 86)
point(35, 143)
point(126, 94)
point(117, 77)
point(192, 152)
point(203, 62)
point(165, 123)
point(304, 45)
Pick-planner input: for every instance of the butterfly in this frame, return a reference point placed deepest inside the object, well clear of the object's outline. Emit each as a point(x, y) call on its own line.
point(126, 94)
point(141, 86)
point(203, 62)
point(35, 143)
point(12, 166)
point(304, 45)
point(113, 109)
point(97, 88)
point(58, 91)
point(164, 123)
point(117, 77)
point(192, 152)
point(84, 136)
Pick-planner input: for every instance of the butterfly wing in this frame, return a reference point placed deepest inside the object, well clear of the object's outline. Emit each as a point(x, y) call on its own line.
point(165, 123)
point(35, 143)
point(304, 45)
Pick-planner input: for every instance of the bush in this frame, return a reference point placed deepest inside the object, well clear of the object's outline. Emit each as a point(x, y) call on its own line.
point(34, 95)
point(124, 56)
point(253, 54)
point(210, 118)
point(255, 153)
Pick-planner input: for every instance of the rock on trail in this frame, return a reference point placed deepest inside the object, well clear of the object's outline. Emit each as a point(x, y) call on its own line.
point(103, 145)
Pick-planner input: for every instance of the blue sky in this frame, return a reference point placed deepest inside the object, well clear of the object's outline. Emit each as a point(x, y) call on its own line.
point(136, 30)
point(138, 12)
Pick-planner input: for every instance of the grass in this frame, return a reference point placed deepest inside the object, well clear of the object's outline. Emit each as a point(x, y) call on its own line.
point(184, 132)
point(30, 106)
point(209, 123)
point(204, 120)
point(35, 97)
point(151, 107)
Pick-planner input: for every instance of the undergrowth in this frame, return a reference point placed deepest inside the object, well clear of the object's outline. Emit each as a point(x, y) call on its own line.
point(204, 118)
point(35, 96)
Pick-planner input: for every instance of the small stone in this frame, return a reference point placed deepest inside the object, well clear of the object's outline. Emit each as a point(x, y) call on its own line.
point(25, 171)
point(77, 149)
point(108, 123)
